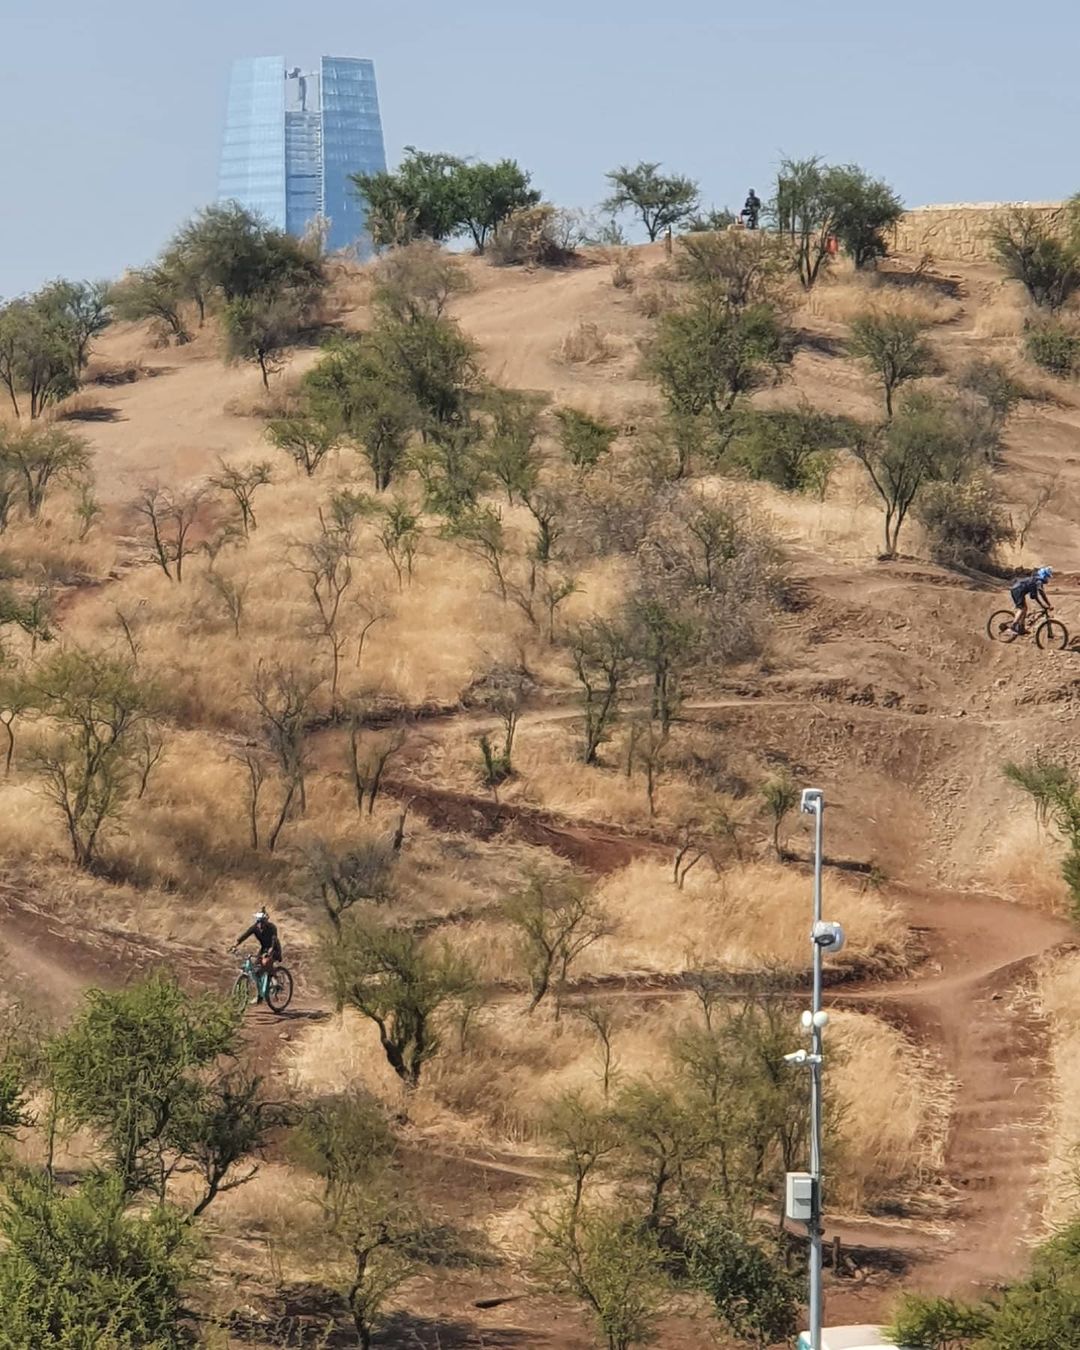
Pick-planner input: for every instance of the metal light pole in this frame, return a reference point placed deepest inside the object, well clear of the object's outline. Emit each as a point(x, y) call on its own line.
point(804, 1188)
point(813, 803)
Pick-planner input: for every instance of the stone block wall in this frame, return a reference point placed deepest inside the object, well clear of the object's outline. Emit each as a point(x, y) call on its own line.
point(957, 233)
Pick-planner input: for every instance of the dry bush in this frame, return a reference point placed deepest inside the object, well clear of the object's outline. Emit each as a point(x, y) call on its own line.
point(529, 237)
point(625, 264)
point(586, 345)
point(652, 301)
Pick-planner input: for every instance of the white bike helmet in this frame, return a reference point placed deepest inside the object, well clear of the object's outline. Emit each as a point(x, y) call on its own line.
point(261, 916)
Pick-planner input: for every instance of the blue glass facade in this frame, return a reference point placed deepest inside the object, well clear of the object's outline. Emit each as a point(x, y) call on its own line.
point(352, 140)
point(293, 140)
point(253, 151)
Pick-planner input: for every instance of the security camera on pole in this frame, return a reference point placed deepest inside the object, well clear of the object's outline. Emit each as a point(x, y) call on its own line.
point(804, 1188)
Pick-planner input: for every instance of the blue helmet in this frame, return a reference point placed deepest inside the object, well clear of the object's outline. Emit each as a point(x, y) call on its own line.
point(1044, 573)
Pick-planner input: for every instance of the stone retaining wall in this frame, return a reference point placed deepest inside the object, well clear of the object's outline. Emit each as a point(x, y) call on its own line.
point(957, 233)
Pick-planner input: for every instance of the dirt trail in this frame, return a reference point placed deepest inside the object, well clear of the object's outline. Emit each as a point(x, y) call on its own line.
point(975, 1013)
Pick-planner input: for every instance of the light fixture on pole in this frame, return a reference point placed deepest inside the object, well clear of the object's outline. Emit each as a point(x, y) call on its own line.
point(803, 1193)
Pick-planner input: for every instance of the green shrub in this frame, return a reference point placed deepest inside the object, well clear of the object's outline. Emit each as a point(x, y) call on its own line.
point(790, 448)
point(585, 439)
point(1054, 346)
point(965, 521)
point(933, 1323)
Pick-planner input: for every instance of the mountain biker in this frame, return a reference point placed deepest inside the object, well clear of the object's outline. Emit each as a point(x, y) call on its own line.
point(1033, 588)
point(269, 950)
point(751, 210)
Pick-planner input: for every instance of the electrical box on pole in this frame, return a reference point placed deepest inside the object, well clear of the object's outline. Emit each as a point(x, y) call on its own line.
point(800, 1198)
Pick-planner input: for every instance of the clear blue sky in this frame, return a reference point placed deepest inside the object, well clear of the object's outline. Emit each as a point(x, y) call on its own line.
point(112, 110)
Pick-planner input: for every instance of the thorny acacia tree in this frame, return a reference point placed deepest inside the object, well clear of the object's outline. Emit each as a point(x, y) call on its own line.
point(399, 982)
point(87, 762)
point(557, 919)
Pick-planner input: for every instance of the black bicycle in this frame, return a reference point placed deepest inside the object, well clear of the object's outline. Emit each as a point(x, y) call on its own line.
point(1050, 634)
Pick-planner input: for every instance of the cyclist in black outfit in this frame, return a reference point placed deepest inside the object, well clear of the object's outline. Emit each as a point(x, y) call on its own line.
point(1029, 588)
point(269, 949)
point(751, 210)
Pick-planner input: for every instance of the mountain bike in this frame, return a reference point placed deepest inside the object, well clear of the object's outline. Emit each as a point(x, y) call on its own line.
point(279, 990)
point(1050, 634)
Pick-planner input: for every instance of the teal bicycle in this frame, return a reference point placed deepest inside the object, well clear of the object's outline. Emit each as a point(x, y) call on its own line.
point(249, 987)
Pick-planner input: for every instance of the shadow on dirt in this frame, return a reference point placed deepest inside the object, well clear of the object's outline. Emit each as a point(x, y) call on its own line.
point(313, 1317)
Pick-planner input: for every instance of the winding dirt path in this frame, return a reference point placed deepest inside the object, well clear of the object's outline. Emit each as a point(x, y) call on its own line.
point(967, 1003)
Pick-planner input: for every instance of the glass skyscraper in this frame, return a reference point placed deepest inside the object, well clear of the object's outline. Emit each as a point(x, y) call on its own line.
point(294, 138)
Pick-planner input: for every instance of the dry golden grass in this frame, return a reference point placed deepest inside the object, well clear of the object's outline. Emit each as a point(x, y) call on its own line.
point(750, 917)
point(1004, 313)
point(1058, 992)
point(844, 295)
point(846, 525)
point(1025, 866)
point(896, 1104)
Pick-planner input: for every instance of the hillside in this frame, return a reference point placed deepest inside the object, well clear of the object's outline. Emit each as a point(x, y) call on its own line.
point(957, 1001)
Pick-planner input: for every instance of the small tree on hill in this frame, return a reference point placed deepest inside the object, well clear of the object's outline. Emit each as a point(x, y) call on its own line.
point(79, 311)
point(36, 357)
point(756, 1297)
point(36, 456)
point(490, 193)
point(240, 482)
point(557, 919)
point(359, 874)
point(706, 355)
point(661, 200)
point(939, 1323)
point(585, 439)
point(815, 203)
point(169, 518)
point(227, 251)
point(1043, 257)
point(893, 348)
point(395, 980)
point(153, 293)
point(864, 209)
point(129, 1066)
point(306, 439)
point(260, 328)
point(87, 767)
point(781, 796)
point(347, 1143)
point(417, 281)
point(603, 657)
point(930, 439)
point(421, 200)
point(603, 1258)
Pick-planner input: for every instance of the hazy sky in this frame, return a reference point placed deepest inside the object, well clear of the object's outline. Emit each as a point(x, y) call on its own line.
point(112, 110)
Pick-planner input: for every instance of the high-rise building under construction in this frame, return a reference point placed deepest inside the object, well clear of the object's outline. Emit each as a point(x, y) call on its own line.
point(294, 138)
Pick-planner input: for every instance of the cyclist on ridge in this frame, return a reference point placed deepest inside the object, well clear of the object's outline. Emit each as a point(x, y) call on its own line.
point(1029, 588)
point(269, 950)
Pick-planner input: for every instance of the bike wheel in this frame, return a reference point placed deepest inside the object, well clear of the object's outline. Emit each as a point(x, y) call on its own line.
point(279, 990)
point(999, 626)
point(1052, 636)
point(243, 992)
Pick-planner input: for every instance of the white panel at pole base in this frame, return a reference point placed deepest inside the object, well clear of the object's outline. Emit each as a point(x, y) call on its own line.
point(799, 1197)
